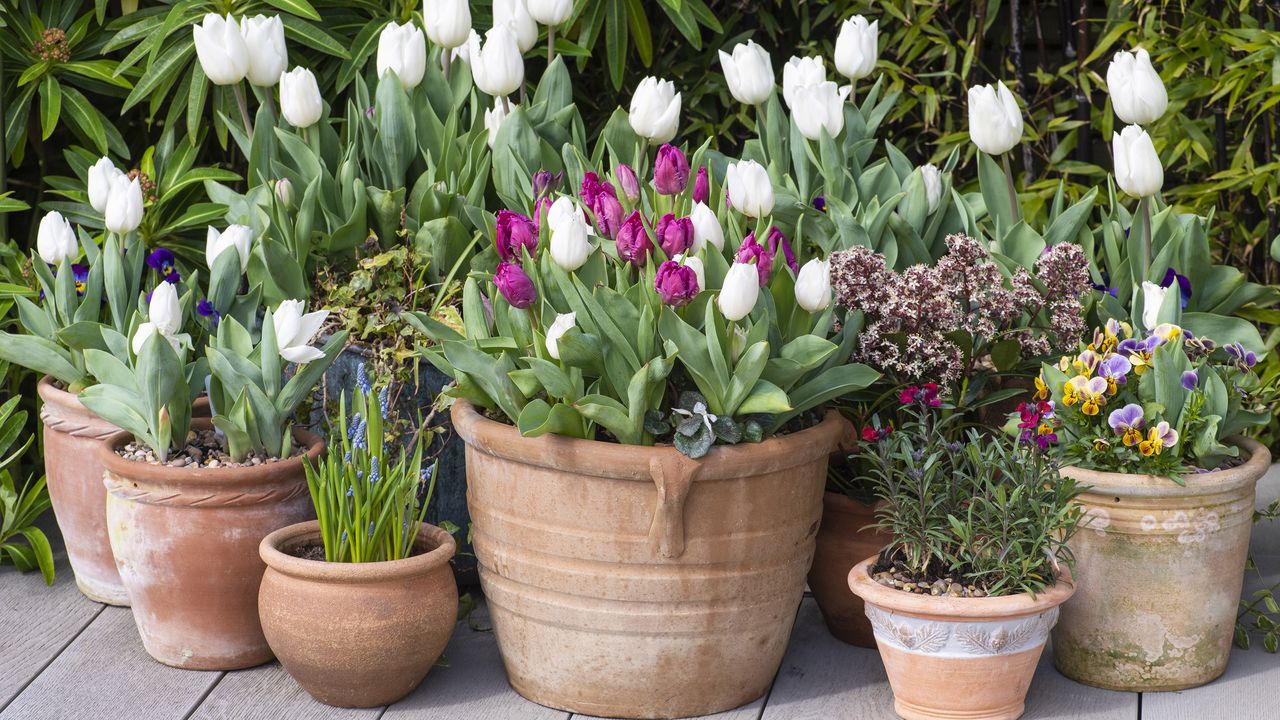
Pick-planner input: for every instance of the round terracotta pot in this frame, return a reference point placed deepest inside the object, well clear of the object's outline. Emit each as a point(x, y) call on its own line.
point(843, 541)
point(186, 543)
point(1161, 569)
point(628, 581)
point(357, 634)
point(949, 657)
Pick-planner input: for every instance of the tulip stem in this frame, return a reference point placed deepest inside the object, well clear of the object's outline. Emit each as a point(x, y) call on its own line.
point(1144, 209)
point(447, 55)
point(1013, 194)
point(551, 43)
point(244, 109)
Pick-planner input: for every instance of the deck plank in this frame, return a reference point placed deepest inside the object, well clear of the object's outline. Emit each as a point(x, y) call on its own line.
point(105, 673)
point(268, 691)
point(1246, 691)
point(750, 711)
point(36, 623)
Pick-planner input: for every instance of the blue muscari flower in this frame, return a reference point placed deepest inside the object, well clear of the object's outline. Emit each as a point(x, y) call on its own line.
point(384, 400)
point(370, 528)
point(426, 472)
point(350, 491)
point(362, 380)
point(375, 471)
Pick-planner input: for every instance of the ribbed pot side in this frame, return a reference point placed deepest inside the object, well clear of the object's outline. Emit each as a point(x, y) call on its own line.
point(634, 582)
point(843, 541)
point(1161, 568)
point(357, 634)
point(186, 544)
point(951, 657)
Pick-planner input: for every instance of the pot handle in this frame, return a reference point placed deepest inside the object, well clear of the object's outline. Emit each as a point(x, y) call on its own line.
point(673, 474)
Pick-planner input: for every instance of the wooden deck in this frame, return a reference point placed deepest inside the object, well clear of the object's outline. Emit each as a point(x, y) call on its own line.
point(63, 656)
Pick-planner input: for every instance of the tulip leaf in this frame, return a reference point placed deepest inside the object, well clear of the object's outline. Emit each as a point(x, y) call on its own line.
point(832, 383)
point(995, 191)
point(765, 398)
point(540, 418)
point(40, 355)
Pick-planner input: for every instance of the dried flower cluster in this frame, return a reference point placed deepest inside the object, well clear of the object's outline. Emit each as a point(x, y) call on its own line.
point(911, 316)
point(52, 46)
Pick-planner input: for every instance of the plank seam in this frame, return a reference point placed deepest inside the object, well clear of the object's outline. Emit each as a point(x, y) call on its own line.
point(51, 660)
point(204, 695)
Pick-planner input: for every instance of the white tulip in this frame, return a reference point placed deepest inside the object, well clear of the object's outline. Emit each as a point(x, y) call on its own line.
point(494, 117)
point(706, 228)
point(124, 205)
point(819, 107)
point(295, 331)
point(284, 192)
point(1138, 170)
point(223, 54)
point(467, 50)
point(932, 185)
point(740, 291)
point(857, 47)
point(268, 55)
point(1137, 94)
point(694, 263)
point(813, 286)
point(100, 175)
point(562, 210)
point(515, 15)
point(995, 122)
point(569, 246)
point(236, 237)
point(56, 241)
point(550, 12)
point(1152, 299)
point(748, 72)
point(750, 189)
point(562, 324)
point(402, 49)
point(300, 98)
point(801, 72)
point(498, 68)
point(164, 318)
point(448, 22)
point(655, 110)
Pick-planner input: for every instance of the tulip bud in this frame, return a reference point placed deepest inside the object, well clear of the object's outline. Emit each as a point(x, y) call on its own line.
point(608, 212)
point(695, 263)
point(813, 286)
point(515, 15)
point(223, 54)
point(706, 228)
point(677, 284)
point(300, 98)
point(513, 234)
point(628, 181)
point(494, 117)
point(1137, 94)
point(857, 47)
point(124, 205)
point(235, 237)
point(633, 241)
point(995, 122)
point(932, 185)
point(56, 241)
point(284, 192)
point(592, 187)
point(569, 246)
point(560, 211)
point(164, 310)
point(702, 186)
point(819, 107)
point(777, 240)
point(100, 175)
point(675, 235)
point(1138, 170)
point(546, 182)
point(739, 293)
point(752, 251)
point(655, 110)
point(563, 323)
point(670, 171)
point(1152, 299)
point(269, 55)
point(498, 68)
point(748, 72)
point(550, 12)
point(448, 23)
point(750, 189)
point(515, 285)
point(402, 49)
point(799, 73)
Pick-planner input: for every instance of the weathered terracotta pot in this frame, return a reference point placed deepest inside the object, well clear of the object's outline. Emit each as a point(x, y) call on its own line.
point(950, 658)
point(186, 544)
point(634, 582)
point(357, 634)
point(844, 540)
point(1161, 567)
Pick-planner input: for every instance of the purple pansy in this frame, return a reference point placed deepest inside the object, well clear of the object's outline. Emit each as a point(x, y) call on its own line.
point(163, 261)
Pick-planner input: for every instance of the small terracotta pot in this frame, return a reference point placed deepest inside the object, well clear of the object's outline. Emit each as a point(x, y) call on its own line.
point(950, 657)
point(357, 634)
point(1161, 568)
point(844, 540)
point(186, 544)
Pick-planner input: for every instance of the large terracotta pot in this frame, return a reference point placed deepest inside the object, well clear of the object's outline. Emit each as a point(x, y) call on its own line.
point(844, 540)
point(632, 581)
point(357, 634)
point(1161, 567)
point(952, 657)
point(186, 543)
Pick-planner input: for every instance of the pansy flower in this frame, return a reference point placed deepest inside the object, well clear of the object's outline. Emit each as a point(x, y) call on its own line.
point(1166, 332)
point(1190, 380)
point(163, 262)
point(1243, 359)
point(204, 308)
point(1127, 423)
point(1160, 437)
point(81, 274)
point(1086, 363)
point(1042, 388)
point(1089, 392)
point(1184, 285)
point(1114, 369)
point(1139, 352)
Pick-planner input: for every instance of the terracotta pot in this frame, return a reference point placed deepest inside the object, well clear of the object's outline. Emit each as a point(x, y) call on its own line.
point(357, 634)
point(1161, 568)
point(950, 658)
point(186, 543)
point(844, 540)
point(629, 581)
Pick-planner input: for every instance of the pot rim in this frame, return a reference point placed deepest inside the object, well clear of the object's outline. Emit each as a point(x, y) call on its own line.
point(1196, 484)
point(54, 395)
point(632, 462)
point(219, 478)
point(444, 547)
point(955, 609)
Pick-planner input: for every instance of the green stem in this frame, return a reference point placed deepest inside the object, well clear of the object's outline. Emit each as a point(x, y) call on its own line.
point(1145, 211)
point(448, 62)
point(551, 43)
point(1013, 194)
point(244, 109)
